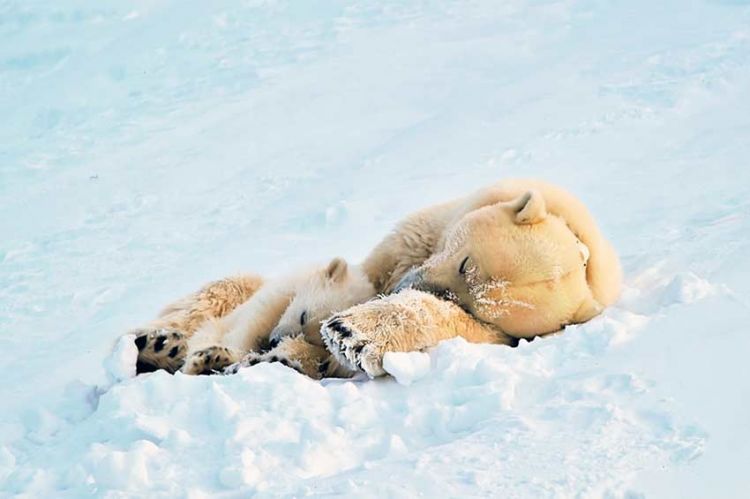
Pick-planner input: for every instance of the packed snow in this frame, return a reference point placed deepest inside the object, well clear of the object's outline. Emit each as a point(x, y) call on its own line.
point(151, 146)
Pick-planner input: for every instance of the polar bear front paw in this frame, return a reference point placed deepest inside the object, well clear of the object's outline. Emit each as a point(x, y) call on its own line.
point(159, 348)
point(211, 360)
point(352, 347)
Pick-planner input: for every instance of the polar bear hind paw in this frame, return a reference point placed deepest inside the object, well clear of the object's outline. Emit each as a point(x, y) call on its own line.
point(159, 348)
point(211, 360)
point(254, 358)
point(296, 353)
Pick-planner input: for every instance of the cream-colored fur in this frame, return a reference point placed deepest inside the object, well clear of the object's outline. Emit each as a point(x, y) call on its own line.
point(318, 298)
point(425, 235)
point(295, 351)
point(522, 258)
point(403, 322)
point(213, 301)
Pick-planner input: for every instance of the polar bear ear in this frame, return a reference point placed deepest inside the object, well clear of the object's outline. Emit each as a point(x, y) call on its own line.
point(530, 208)
point(336, 270)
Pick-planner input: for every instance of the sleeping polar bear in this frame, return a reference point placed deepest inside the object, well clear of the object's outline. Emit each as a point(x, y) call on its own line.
point(220, 324)
point(517, 259)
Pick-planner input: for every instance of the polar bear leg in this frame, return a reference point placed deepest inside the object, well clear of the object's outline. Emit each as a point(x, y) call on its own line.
point(302, 356)
point(213, 301)
point(211, 360)
point(180, 320)
point(411, 320)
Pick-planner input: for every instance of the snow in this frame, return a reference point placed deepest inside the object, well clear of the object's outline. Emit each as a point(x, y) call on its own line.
point(148, 148)
point(120, 364)
point(406, 367)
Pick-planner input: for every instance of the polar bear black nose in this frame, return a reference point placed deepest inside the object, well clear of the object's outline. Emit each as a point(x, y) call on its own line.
point(411, 279)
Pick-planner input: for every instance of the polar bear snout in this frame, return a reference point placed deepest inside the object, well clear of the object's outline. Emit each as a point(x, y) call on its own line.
point(417, 280)
point(410, 280)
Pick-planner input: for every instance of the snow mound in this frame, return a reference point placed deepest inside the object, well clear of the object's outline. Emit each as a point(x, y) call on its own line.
point(686, 288)
point(406, 367)
point(655, 289)
point(483, 418)
point(120, 364)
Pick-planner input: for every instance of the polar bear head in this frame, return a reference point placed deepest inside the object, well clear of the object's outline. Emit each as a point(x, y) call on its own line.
point(327, 290)
point(526, 260)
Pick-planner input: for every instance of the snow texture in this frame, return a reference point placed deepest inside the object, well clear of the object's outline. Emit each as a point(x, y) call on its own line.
point(406, 367)
point(151, 146)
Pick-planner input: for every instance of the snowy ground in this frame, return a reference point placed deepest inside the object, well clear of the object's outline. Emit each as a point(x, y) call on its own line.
point(148, 147)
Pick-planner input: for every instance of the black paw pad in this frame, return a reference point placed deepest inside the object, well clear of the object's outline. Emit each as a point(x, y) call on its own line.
point(144, 367)
point(159, 344)
point(338, 326)
point(174, 351)
point(140, 342)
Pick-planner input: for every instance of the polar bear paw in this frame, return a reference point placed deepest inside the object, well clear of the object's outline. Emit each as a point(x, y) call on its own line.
point(159, 348)
point(271, 356)
point(211, 360)
point(296, 353)
point(352, 346)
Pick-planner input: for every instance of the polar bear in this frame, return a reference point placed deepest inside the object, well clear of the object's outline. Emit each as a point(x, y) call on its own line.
point(288, 306)
point(162, 343)
point(519, 259)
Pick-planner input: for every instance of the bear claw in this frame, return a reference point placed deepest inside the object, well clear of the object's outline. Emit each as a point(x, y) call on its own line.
point(350, 347)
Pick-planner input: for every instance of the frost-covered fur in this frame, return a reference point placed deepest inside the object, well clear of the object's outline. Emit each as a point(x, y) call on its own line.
point(522, 258)
point(360, 336)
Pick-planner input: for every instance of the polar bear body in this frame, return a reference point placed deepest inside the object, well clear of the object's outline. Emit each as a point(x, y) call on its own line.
point(518, 259)
point(544, 260)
